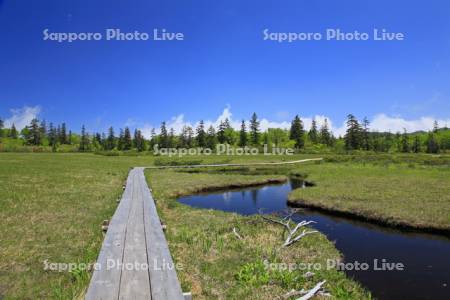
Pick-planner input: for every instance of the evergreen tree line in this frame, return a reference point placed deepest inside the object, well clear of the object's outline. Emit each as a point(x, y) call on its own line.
point(358, 137)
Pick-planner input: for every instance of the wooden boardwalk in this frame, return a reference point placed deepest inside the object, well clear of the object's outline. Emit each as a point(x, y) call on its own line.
point(134, 261)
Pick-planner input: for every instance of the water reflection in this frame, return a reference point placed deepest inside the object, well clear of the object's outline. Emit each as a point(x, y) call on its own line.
point(426, 256)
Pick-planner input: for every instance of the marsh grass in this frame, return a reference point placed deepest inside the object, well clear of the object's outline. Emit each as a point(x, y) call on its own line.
point(216, 264)
point(400, 194)
point(52, 206)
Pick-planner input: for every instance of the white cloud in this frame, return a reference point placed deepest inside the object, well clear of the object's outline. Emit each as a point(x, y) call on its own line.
point(177, 123)
point(380, 122)
point(146, 130)
point(22, 117)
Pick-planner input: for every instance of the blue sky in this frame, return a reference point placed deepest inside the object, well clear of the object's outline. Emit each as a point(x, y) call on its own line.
point(223, 66)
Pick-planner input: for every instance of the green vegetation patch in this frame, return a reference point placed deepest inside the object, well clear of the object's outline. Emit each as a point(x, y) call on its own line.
point(218, 265)
point(410, 194)
point(51, 208)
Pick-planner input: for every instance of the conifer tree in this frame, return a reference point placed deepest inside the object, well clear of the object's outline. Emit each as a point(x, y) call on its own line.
point(296, 132)
point(153, 138)
point(34, 133)
point(201, 135)
point(163, 136)
point(243, 139)
point(221, 133)
point(58, 133)
point(432, 143)
point(190, 137)
point(135, 138)
point(127, 139)
point(325, 136)
point(120, 141)
point(404, 142)
point(211, 139)
point(353, 137)
point(184, 137)
point(13, 132)
point(141, 144)
point(435, 126)
point(365, 135)
point(224, 132)
point(103, 140)
point(139, 140)
point(43, 129)
point(63, 134)
point(172, 142)
point(52, 136)
point(84, 140)
point(254, 129)
point(2, 124)
point(69, 138)
point(226, 124)
point(416, 147)
point(230, 138)
point(98, 138)
point(313, 134)
point(111, 140)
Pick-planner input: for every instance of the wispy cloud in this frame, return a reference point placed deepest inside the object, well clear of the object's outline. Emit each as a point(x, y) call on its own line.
point(22, 117)
point(382, 122)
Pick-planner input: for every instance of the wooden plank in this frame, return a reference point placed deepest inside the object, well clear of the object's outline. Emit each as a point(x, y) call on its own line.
point(135, 282)
point(105, 282)
point(163, 277)
point(135, 236)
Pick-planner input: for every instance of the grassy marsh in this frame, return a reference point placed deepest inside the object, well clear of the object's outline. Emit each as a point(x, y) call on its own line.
point(217, 265)
point(52, 205)
point(413, 195)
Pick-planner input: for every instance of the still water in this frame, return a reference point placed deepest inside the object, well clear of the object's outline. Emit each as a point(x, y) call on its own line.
point(426, 257)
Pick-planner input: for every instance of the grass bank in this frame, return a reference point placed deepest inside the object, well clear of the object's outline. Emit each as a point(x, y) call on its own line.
point(52, 205)
point(217, 265)
point(408, 195)
point(51, 208)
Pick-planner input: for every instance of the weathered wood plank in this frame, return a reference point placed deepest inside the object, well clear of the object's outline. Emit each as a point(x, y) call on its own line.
point(135, 237)
point(163, 277)
point(135, 282)
point(105, 282)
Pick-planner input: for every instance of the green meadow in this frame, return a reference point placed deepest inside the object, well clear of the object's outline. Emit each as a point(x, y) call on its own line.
point(408, 195)
point(52, 207)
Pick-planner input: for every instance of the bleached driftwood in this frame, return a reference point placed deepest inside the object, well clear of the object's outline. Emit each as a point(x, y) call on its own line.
point(236, 233)
point(309, 294)
point(293, 236)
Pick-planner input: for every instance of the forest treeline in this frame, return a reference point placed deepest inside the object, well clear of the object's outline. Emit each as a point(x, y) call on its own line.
point(40, 136)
